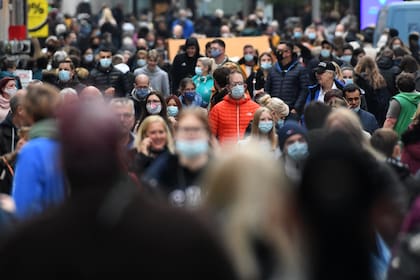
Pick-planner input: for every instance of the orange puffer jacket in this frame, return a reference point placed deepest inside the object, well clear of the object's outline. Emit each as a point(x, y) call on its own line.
point(230, 118)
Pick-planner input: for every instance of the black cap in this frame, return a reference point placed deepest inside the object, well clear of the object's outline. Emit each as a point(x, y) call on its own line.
point(324, 66)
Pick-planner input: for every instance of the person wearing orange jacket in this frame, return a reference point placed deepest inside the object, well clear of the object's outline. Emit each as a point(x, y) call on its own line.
point(229, 118)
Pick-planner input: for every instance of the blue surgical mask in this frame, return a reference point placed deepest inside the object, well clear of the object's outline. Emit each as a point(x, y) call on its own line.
point(172, 111)
point(312, 36)
point(189, 95)
point(266, 65)
point(141, 62)
point(280, 123)
point(325, 53)
point(297, 151)
point(215, 53)
point(192, 148)
point(141, 93)
point(248, 57)
point(105, 62)
point(348, 81)
point(198, 71)
point(297, 35)
point(89, 57)
point(265, 126)
point(238, 91)
point(64, 75)
point(356, 110)
point(346, 58)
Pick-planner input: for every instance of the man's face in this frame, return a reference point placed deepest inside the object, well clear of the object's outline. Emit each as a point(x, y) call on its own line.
point(282, 48)
point(66, 66)
point(236, 79)
point(141, 83)
point(325, 78)
point(293, 139)
point(353, 99)
point(105, 55)
point(125, 115)
point(151, 63)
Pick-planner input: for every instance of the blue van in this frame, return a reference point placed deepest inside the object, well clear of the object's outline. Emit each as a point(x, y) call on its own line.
point(403, 16)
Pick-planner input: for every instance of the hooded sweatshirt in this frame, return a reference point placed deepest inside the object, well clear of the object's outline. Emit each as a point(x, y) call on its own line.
point(408, 102)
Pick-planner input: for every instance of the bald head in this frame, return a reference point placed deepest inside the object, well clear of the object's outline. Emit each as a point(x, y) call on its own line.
point(142, 81)
point(141, 44)
point(91, 93)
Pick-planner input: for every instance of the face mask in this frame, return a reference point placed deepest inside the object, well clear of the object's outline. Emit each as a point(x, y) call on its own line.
point(338, 34)
point(215, 53)
point(325, 53)
point(248, 57)
point(89, 57)
point(266, 65)
point(348, 81)
point(141, 93)
point(298, 151)
point(64, 75)
point(198, 71)
point(10, 91)
point(346, 58)
point(279, 56)
point(141, 62)
point(265, 126)
point(238, 92)
point(280, 123)
point(191, 148)
point(190, 95)
point(105, 62)
point(297, 35)
point(153, 108)
point(356, 110)
point(312, 36)
point(394, 47)
point(172, 111)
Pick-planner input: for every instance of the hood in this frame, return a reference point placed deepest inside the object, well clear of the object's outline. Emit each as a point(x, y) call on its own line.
point(385, 62)
point(413, 98)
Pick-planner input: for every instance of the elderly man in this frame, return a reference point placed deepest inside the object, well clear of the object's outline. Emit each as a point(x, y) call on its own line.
point(140, 91)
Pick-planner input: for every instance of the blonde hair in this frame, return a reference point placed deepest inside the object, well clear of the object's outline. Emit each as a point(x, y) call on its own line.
point(275, 104)
point(255, 131)
point(208, 62)
point(368, 66)
point(144, 126)
point(248, 191)
point(338, 72)
point(347, 121)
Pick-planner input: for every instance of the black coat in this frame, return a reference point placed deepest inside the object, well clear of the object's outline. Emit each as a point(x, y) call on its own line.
point(182, 67)
point(110, 77)
point(389, 71)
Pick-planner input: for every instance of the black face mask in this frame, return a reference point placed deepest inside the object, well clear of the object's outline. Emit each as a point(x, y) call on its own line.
point(279, 56)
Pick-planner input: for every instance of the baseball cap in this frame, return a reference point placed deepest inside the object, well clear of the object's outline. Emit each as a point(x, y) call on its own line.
point(324, 66)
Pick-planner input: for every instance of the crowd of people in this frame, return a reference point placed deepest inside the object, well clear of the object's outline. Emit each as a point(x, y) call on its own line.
point(301, 161)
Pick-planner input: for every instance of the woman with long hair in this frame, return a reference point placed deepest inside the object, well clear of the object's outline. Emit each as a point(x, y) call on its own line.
point(368, 77)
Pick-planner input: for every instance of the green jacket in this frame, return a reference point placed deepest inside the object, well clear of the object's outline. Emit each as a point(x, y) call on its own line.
point(408, 105)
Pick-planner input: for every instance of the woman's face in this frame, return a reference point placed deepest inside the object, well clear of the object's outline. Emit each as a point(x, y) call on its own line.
point(191, 128)
point(203, 68)
point(158, 136)
point(172, 102)
point(265, 116)
point(189, 87)
point(10, 85)
point(266, 58)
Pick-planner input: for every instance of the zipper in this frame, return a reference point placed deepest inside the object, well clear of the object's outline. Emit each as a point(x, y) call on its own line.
point(237, 121)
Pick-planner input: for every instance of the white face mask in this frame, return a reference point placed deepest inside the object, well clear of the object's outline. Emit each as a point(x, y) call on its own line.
point(10, 91)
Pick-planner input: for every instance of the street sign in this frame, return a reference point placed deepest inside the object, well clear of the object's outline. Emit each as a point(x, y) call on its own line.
point(38, 18)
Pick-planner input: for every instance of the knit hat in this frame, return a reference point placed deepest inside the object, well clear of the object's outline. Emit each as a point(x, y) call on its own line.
point(290, 128)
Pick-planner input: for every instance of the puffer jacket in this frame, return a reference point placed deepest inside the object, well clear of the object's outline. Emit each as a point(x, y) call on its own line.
point(110, 77)
point(230, 118)
point(289, 84)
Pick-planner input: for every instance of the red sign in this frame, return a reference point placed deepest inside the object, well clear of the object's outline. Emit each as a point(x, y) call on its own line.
point(17, 32)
